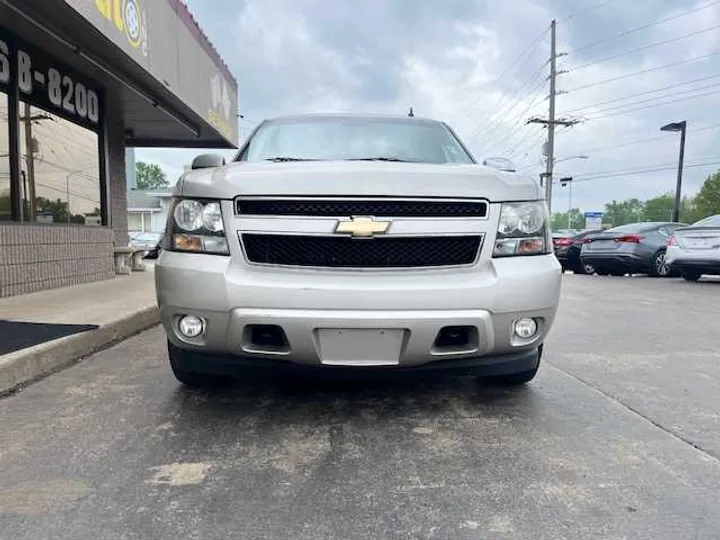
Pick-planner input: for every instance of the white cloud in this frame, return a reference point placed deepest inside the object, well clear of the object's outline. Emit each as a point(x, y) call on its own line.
point(443, 58)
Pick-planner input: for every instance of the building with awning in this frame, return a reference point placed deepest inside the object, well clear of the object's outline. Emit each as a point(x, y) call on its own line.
point(81, 81)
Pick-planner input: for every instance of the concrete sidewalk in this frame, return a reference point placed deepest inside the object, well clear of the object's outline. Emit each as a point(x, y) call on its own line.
point(120, 308)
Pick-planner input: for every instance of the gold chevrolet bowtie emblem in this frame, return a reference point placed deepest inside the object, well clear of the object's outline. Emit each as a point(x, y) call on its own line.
point(362, 227)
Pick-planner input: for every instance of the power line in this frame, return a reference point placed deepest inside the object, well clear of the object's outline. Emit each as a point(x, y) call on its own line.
point(646, 47)
point(496, 119)
point(642, 72)
point(529, 48)
point(641, 170)
point(516, 118)
point(660, 89)
point(641, 141)
point(64, 191)
point(585, 10)
point(651, 106)
point(649, 100)
point(638, 29)
point(519, 145)
point(511, 134)
point(512, 147)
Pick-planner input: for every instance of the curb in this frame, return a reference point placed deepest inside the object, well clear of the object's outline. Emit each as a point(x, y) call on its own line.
point(26, 366)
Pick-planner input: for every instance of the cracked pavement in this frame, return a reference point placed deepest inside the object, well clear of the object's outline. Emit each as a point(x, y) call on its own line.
point(617, 438)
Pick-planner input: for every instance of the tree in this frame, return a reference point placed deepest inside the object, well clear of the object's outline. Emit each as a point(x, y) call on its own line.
point(689, 211)
point(707, 201)
point(150, 176)
point(621, 213)
point(57, 208)
point(660, 208)
point(560, 220)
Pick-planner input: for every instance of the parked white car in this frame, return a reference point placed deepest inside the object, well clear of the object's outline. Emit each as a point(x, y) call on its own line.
point(695, 250)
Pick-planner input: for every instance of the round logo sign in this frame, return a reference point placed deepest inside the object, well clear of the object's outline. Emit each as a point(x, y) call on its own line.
point(133, 22)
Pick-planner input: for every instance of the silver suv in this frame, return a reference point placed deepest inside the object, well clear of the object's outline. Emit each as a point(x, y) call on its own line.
point(349, 243)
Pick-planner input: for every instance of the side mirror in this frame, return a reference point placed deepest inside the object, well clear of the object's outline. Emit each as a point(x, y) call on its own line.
point(207, 161)
point(499, 163)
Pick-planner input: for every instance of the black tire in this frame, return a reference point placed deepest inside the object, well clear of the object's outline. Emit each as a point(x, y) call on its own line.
point(658, 268)
point(691, 276)
point(617, 274)
point(585, 269)
point(189, 378)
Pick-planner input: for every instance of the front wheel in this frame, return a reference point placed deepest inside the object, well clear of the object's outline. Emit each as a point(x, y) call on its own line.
point(659, 267)
point(585, 269)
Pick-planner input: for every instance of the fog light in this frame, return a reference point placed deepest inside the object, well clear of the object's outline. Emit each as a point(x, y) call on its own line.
point(525, 328)
point(190, 326)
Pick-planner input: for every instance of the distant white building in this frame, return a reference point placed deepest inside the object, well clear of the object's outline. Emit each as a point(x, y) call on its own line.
point(147, 210)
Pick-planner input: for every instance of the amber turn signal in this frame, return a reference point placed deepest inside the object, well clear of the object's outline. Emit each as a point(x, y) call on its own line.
point(187, 242)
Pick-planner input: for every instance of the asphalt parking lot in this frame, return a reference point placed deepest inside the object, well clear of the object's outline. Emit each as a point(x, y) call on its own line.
point(617, 438)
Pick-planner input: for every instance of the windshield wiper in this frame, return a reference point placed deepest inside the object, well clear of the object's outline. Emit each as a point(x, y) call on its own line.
point(287, 158)
point(383, 158)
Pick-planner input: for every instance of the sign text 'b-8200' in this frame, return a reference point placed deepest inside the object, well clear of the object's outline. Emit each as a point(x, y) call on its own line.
point(48, 83)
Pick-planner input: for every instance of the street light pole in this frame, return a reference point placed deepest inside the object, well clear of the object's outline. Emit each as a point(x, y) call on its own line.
point(682, 128)
point(678, 187)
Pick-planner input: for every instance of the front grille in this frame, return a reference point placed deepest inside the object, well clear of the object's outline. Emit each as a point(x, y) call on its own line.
point(342, 252)
point(361, 207)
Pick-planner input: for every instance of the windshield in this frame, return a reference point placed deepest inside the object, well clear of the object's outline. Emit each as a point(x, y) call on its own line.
point(334, 139)
point(712, 221)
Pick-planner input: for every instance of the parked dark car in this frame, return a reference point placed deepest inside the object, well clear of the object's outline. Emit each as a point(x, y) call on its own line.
point(636, 248)
point(567, 250)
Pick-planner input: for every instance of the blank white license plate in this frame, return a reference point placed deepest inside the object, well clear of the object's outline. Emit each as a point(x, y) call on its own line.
point(603, 244)
point(360, 346)
point(702, 243)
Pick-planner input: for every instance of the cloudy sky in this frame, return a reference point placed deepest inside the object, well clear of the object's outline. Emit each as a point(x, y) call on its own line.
point(481, 66)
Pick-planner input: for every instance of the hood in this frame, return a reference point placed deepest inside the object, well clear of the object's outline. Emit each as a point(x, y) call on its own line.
point(358, 178)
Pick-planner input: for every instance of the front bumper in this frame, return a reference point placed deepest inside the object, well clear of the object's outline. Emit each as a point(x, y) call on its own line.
point(405, 311)
point(482, 366)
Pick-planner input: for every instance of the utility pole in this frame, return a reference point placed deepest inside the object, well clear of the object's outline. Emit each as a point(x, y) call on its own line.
point(27, 120)
point(30, 149)
point(550, 162)
point(551, 121)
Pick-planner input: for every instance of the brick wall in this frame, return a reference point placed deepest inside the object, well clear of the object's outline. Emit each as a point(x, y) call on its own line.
point(116, 175)
point(34, 257)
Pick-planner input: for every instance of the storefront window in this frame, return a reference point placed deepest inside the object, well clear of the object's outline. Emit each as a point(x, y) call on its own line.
point(5, 213)
point(60, 176)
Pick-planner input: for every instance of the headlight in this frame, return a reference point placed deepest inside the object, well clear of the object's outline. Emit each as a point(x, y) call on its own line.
point(531, 219)
point(189, 215)
point(197, 226)
point(212, 217)
point(522, 230)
